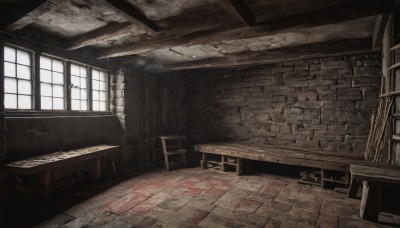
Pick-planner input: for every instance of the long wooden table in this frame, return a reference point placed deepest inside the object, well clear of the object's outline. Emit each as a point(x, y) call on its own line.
point(321, 159)
point(44, 165)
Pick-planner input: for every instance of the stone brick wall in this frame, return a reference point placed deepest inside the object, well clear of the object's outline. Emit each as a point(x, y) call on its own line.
point(321, 103)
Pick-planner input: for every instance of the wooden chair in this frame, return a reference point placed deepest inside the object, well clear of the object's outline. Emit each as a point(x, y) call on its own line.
point(172, 146)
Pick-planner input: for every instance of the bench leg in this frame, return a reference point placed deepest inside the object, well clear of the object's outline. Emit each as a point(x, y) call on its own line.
point(113, 165)
point(371, 201)
point(46, 180)
point(353, 189)
point(166, 161)
point(203, 162)
point(323, 178)
point(223, 163)
point(184, 160)
point(239, 167)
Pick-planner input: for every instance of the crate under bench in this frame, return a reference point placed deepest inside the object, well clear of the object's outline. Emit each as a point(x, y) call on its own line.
point(42, 169)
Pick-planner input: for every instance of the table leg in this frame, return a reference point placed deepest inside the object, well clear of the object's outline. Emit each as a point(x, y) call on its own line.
point(203, 162)
point(239, 166)
point(371, 201)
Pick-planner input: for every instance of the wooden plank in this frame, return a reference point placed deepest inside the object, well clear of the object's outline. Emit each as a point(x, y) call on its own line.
point(134, 15)
point(103, 33)
point(379, 30)
point(393, 93)
point(309, 51)
point(27, 13)
point(59, 159)
point(331, 15)
point(244, 11)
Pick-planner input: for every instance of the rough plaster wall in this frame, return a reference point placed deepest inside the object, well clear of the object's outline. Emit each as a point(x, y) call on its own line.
point(321, 103)
point(33, 136)
point(134, 102)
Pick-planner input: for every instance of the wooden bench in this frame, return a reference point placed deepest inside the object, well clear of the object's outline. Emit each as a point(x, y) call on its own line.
point(43, 166)
point(375, 177)
point(232, 154)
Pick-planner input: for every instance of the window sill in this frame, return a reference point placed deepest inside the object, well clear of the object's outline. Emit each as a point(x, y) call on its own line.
point(63, 113)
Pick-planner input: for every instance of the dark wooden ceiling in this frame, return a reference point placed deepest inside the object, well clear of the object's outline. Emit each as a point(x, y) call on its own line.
point(190, 34)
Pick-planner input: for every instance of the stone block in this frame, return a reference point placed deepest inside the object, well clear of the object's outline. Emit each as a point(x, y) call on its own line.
point(367, 81)
point(333, 64)
point(336, 130)
point(308, 96)
point(349, 94)
point(277, 79)
point(280, 69)
point(278, 98)
point(367, 71)
point(327, 95)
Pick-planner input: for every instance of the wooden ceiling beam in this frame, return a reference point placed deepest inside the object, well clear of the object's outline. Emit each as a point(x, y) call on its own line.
point(133, 14)
point(27, 13)
point(317, 50)
point(331, 15)
point(244, 11)
point(98, 35)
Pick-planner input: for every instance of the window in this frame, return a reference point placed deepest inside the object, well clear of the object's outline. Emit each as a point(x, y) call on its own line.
point(51, 83)
point(17, 78)
point(99, 90)
point(79, 88)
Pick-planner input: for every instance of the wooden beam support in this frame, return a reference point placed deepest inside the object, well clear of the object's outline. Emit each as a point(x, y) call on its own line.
point(244, 11)
point(27, 13)
point(133, 14)
point(331, 15)
point(318, 50)
point(103, 33)
point(379, 30)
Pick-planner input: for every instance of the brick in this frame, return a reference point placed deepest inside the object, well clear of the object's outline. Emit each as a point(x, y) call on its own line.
point(308, 96)
point(349, 94)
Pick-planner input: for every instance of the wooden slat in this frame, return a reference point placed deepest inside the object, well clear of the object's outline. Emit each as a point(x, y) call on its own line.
point(59, 159)
point(396, 137)
point(331, 15)
point(393, 93)
point(134, 15)
point(397, 65)
point(317, 50)
point(372, 171)
point(103, 33)
point(379, 30)
point(244, 11)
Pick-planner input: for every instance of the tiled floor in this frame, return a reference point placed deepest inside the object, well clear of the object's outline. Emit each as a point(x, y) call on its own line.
point(195, 197)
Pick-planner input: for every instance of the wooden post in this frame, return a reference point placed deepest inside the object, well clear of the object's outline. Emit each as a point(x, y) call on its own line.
point(353, 189)
point(322, 178)
point(203, 162)
point(239, 168)
point(223, 163)
point(47, 185)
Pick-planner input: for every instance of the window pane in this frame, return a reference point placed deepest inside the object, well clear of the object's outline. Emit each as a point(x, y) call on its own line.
point(102, 76)
point(45, 76)
point(83, 94)
point(45, 63)
point(75, 70)
point(95, 75)
point(58, 66)
point(9, 69)
point(10, 85)
point(10, 101)
point(102, 96)
point(23, 72)
point(24, 102)
point(83, 72)
point(75, 93)
point(84, 105)
point(58, 91)
point(96, 85)
point(96, 95)
point(23, 57)
point(96, 105)
point(103, 86)
point(83, 83)
point(58, 78)
point(75, 81)
point(45, 89)
point(9, 54)
point(46, 103)
point(103, 106)
point(24, 87)
point(75, 105)
point(58, 103)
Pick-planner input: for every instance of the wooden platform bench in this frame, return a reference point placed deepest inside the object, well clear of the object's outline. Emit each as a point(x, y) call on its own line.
point(43, 167)
point(232, 154)
point(376, 178)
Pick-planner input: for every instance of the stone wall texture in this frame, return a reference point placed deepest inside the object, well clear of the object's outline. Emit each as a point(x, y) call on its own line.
point(321, 103)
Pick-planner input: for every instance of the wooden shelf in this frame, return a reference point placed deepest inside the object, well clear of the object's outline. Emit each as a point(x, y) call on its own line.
point(393, 93)
point(396, 137)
